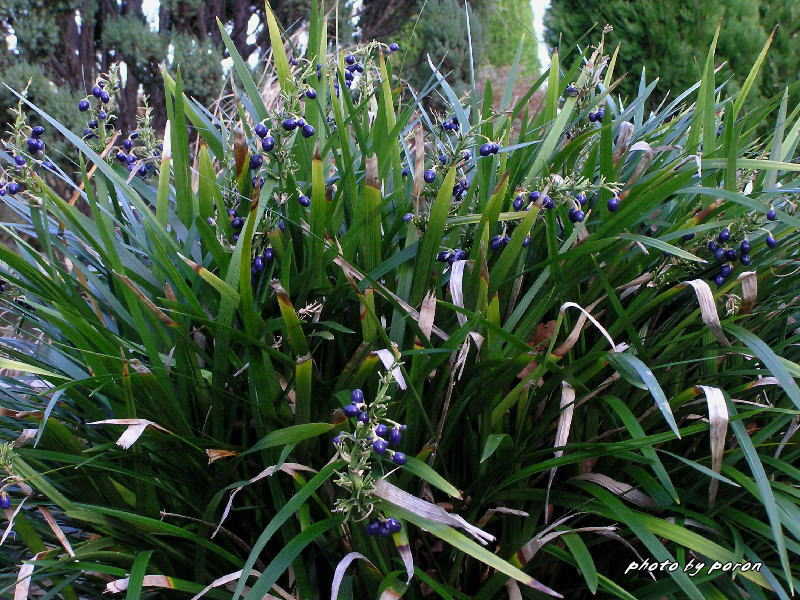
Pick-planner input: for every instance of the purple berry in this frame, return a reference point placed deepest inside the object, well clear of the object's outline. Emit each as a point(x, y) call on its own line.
point(13, 187)
point(485, 150)
point(771, 241)
point(405, 172)
point(258, 263)
point(104, 97)
point(724, 235)
point(237, 223)
point(547, 202)
point(130, 159)
point(407, 217)
point(496, 242)
point(311, 93)
point(719, 280)
point(256, 161)
point(518, 201)
point(37, 131)
point(581, 198)
point(268, 143)
point(571, 91)
point(308, 131)
point(771, 214)
point(393, 47)
point(83, 105)
point(384, 530)
point(363, 417)
point(96, 91)
point(534, 196)
point(526, 242)
point(304, 201)
point(592, 117)
point(261, 130)
point(269, 254)
point(373, 528)
point(20, 160)
point(289, 124)
point(731, 254)
point(688, 236)
point(745, 247)
point(102, 115)
point(127, 144)
point(121, 156)
point(399, 458)
point(379, 446)
point(5, 501)
point(381, 430)
point(745, 259)
point(357, 396)
point(712, 246)
point(613, 203)
point(350, 59)
point(350, 411)
point(719, 254)
point(393, 525)
point(395, 437)
point(577, 216)
point(600, 114)
point(725, 270)
point(429, 176)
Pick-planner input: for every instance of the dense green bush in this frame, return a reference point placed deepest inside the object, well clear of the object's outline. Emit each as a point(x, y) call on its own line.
point(530, 302)
point(669, 38)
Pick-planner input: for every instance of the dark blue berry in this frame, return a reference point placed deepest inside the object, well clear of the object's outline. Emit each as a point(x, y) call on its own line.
point(724, 235)
point(495, 147)
point(600, 114)
point(745, 247)
point(407, 217)
point(261, 130)
point(712, 246)
point(576, 216)
point(256, 161)
point(281, 225)
point(581, 198)
point(20, 160)
point(121, 156)
point(393, 525)
point(485, 150)
point(405, 172)
point(399, 458)
point(443, 256)
point(771, 241)
point(2, 193)
point(373, 528)
point(130, 159)
point(34, 145)
point(719, 280)
point(547, 202)
point(134, 134)
point(357, 396)
point(304, 201)
point(466, 154)
point(96, 91)
point(429, 176)
point(688, 236)
point(745, 259)
point(719, 254)
point(37, 131)
point(13, 187)
point(350, 411)
point(393, 47)
point(381, 430)
point(293, 62)
point(363, 417)
point(613, 203)
point(268, 143)
point(258, 263)
point(269, 254)
point(725, 270)
point(380, 446)
point(592, 117)
point(384, 530)
point(395, 437)
point(104, 97)
point(534, 196)
point(93, 123)
point(443, 159)
point(571, 91)
point(731, 254)
point(83, 105)
point(311, 93)
point(237, 223)
point(127, 144)
point(496, 242)
point(5, 500)
point(350, 59)
point(289, 124)
point(88, 133)
point(526, 242)
point(48, 165)
point(771, 214)
point(308, 131)
point(102, 115)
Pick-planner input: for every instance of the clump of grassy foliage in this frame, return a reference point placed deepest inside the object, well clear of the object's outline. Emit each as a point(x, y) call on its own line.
point(577, 391)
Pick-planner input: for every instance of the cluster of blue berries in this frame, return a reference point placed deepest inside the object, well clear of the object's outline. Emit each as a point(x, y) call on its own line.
point(729, 254)
point(290, 124)
point(451, 256)
point(383, 527)
point(260, 263)
point(382, 436)
point(127, 156)
point(267, 141)
point(596, 117)
point(103, 98)
point(489, 148)
point(451, 124)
